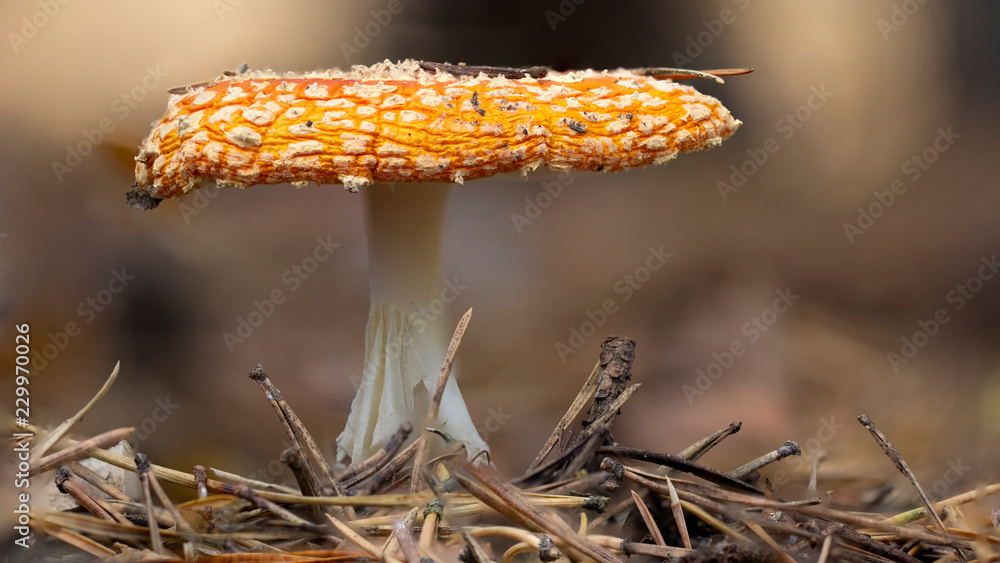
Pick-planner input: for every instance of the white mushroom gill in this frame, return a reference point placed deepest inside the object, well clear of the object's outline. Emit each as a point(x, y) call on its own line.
point(404, 345)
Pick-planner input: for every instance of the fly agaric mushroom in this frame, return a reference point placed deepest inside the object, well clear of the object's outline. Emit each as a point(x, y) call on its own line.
point(408, 122)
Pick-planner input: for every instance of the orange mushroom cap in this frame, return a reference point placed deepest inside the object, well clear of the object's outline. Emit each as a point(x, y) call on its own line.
point(397, 122)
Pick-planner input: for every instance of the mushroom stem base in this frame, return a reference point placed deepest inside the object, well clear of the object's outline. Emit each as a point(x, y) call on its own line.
point(401, 368)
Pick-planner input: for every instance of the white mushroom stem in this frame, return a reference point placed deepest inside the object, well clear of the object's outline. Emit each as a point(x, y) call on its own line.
point(405, 341)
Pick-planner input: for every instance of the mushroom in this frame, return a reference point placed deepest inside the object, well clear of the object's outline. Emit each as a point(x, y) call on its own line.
point(376, 127)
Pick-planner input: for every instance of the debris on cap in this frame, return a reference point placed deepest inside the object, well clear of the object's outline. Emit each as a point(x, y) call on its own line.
point(403, 122)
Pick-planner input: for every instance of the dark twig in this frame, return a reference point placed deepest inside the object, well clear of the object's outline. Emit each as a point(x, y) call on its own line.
point(493, 500)
point(878, 548)
point(674, 462)
point(788, 449)
point(491, 71)
point(682, 73)
point(563, 432)
point(656, 551)
point(361, 471)
point(292, 457)
point(903, 468)
point(92, 477)
point(617, 354)
point(389, 469)
point(323, 480)
point(701, 447)
point(586, 444)
point(154, 485)
point(91, 503)
point(258, 501)
point(143, 469)
point(608, 383)
point(514, 502)
point(475, 551)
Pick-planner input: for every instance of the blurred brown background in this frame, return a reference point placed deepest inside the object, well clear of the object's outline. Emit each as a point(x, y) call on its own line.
point(845, 96)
